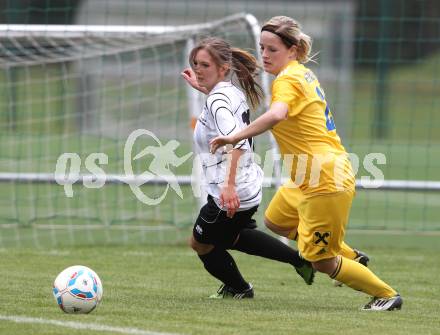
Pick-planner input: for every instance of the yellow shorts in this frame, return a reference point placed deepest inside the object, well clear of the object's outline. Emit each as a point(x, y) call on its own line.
point(317, 221)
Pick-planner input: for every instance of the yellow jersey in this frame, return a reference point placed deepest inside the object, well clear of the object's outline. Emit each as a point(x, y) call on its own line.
point(307, 137)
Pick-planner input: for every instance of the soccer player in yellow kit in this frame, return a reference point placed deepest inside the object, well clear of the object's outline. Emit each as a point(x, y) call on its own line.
point(314, 206)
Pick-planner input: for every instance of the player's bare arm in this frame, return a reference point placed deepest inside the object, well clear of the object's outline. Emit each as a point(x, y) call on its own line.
point(229, 197)
point(276, 113)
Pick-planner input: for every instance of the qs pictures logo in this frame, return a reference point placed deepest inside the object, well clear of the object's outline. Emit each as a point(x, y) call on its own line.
point(67, 171)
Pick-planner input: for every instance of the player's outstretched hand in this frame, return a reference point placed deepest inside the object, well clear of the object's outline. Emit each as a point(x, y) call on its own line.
point(220, 141)
point(190, 77)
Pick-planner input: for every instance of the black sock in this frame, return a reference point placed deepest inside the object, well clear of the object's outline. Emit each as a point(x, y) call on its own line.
point(220, 264)
point(255, 242)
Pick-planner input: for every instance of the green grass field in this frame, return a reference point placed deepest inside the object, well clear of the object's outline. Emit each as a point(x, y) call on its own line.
point(158, 289)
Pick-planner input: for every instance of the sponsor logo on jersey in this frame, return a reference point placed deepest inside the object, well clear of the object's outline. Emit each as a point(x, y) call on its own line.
point(321, 238)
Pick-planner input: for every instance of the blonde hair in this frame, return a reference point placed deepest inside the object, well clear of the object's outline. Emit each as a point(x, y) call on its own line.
point(289, 31)
point(241, 62)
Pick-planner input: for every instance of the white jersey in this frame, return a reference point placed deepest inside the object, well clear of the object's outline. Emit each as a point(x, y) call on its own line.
point(227, 112)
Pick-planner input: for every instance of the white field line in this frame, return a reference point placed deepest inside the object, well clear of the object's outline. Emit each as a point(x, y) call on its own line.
point(80, 325)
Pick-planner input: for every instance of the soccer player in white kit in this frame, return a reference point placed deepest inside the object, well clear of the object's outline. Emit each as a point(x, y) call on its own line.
point(233, 181)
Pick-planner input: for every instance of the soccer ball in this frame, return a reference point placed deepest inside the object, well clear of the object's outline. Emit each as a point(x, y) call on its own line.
point(77, 289)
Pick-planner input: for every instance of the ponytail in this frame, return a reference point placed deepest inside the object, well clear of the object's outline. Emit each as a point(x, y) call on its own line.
point(304, 47)
point(245, 67)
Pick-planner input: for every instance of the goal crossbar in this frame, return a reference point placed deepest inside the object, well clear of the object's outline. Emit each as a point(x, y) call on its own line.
point(79, 31)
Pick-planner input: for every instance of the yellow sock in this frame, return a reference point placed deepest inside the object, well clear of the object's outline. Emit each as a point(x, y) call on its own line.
point(360, 278)
point(347, 251)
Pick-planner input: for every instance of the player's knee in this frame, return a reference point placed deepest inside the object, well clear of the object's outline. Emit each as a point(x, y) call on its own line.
point(196, 246)
point(318, 266)
point(199, 248)
point(327, 266)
